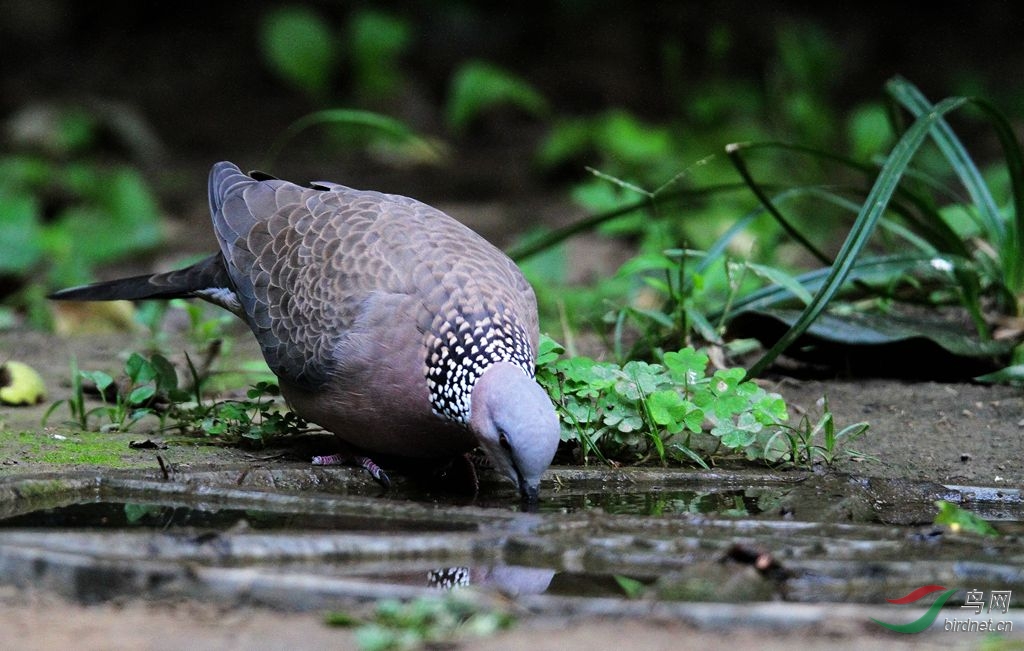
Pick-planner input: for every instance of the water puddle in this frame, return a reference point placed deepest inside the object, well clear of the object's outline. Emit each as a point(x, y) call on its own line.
point(656, 502)
point(117, 516)
point(306, 539)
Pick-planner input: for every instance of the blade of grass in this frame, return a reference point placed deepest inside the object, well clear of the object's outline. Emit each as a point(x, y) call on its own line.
point(1006, 243)
point(714, 252)
point(929, 221)
point(383, 124)
point(874, 206)
point(812, 281)
point(932, 225)
point(911, 98)
point(1014, 158)
point(1008, 240)
point(967, 284)
point(718, 247)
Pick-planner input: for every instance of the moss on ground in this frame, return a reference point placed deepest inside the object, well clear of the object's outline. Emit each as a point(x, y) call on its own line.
point(110, 450)
point(73, 448)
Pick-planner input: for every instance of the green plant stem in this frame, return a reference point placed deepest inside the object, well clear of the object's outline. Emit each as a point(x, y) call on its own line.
point(523, 251)
point(733, 151)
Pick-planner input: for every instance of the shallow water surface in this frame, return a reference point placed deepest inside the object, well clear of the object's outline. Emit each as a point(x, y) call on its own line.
point(299, 540)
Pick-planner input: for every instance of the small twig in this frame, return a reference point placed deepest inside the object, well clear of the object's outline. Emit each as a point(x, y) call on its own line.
point(163, 468)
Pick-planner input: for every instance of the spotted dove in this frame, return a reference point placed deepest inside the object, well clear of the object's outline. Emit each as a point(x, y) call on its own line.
point(386, 321)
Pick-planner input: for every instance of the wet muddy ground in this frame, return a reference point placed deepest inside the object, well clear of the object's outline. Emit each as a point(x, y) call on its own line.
point(252, 547)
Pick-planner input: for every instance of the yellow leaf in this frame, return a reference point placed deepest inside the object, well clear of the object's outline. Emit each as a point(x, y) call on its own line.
point(20, 384)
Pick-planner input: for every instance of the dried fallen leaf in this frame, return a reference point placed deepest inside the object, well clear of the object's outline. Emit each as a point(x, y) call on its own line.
point(148, 444)
point(20, 384)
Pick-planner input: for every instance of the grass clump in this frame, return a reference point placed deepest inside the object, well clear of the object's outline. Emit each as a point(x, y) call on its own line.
point(150, 387)
point(125, 402)
point(256, 420)
point(678, 410)
point(432, 622)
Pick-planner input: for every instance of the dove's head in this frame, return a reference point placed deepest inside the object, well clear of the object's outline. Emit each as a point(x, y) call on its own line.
point(515, 423)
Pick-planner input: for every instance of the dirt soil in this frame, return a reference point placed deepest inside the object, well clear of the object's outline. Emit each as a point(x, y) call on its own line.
point(29, 623)
point(965, 434)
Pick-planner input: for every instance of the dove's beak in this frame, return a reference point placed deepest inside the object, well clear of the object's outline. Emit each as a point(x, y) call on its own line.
point(529, 493)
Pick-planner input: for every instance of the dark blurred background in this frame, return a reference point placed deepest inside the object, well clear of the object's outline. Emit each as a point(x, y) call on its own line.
point(508, 105)
point(196, 75)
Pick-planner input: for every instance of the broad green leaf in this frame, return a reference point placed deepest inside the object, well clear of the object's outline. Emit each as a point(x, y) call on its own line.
point(566, 140)
point(667, 409)
point(20, 246)
point(733, 437)
point(687, 366)
point(782, 279)
point(377, 39)
point(99, 378)
point(549, 352)
point(166, 374)
point(138, 369)
point(868, 329)
point(298, 45)
point(869, 130)
point(638, 379)
point(140, 395)
point(478, 87)
point(1013, 374)
point(625, 137)
point(959, 519)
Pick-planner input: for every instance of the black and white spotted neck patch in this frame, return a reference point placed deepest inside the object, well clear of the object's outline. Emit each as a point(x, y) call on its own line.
point(460, 349)
point(448, 578)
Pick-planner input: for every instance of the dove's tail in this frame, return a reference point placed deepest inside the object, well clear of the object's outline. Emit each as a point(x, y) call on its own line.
point(206, 279)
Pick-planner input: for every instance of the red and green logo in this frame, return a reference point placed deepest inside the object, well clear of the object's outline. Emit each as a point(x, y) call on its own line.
point(925, 620)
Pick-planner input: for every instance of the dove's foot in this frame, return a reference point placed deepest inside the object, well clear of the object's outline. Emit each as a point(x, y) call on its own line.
point(362, 461)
